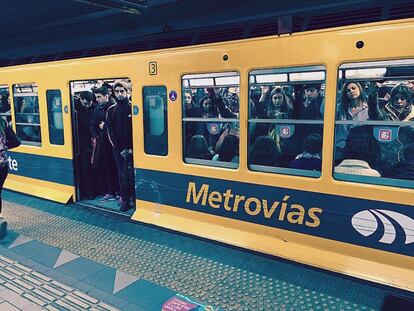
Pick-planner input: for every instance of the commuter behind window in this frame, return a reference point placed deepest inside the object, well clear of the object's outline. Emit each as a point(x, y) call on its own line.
point(4, 102)
point(311, 157)
point(214, 105)
point(399, 107)
point(260, 96)
point(279, 106)
point(190, 107)
point(254, 97)
point(264, 152)
point(353, 105)
point(228, 149)
point(310, 108)
point(232, 98)
point(405, 168)
point(359, 151)
point(208, 107)
point(198, 148)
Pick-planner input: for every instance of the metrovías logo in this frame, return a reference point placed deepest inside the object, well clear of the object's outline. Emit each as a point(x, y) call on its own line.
point(367, 222)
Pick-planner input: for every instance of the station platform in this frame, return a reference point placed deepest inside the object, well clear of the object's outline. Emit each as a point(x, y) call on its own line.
point(69, 257)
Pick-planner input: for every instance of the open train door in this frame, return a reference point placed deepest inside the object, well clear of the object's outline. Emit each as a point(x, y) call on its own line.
point(100, 171)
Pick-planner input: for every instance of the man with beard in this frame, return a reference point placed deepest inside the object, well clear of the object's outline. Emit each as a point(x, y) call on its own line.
point(119, 126)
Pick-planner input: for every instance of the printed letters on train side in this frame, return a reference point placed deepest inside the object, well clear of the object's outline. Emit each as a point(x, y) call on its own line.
point(279, 210)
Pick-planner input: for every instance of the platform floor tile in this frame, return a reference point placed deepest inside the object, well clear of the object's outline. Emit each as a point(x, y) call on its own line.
point(25, 289)
point(219, 275)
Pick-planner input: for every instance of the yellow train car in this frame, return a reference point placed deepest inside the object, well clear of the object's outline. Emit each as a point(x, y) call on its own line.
point(236, 174)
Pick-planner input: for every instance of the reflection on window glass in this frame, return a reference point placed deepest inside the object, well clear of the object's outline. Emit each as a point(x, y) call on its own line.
point(155, 120)
point(55, 117)
point(5, 111)
point(374, 132)
point(211, 119)
point(286, 108)
point(26, 109)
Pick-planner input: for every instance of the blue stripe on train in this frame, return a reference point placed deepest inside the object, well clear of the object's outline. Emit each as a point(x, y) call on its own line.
point(373, 224)
point(52, 169)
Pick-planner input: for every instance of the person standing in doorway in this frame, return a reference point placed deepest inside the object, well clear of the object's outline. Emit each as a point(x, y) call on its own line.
point(119, 126)
point(103, 162)
point(84, 107)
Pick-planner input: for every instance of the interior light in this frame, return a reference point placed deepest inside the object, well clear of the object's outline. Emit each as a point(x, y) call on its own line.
point(202, 82)
point(365, 73)
point(221, 81)
point(307, 76)
point(271, 78)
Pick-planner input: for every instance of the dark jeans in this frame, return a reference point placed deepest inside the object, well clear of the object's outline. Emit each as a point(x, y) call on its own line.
point(126, 192)
point(3, 174)
point(86, 175)
point(106, 173)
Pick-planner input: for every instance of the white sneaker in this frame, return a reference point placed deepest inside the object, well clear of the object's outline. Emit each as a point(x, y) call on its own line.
point(107, 197)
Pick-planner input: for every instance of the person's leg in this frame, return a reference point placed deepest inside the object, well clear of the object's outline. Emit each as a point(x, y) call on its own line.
point(86, 176)
point(3, 224)
point(110, 170)
point(119, 161)
point(3, 174)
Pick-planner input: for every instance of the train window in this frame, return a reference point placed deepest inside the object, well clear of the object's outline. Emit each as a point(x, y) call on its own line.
point(155, 120)
point(374, 128)
point(5, 111)
point(55, 117)
point(286, 108)
point(26, 111)
point(211, 119)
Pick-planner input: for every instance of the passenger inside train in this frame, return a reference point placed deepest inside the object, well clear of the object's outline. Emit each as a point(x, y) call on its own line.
point(211, 125)
point(287, 106)
point(375, 108)
point(104, 127)
point(26, 109)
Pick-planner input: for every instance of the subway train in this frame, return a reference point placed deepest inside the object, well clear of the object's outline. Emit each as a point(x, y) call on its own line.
point(279, 144)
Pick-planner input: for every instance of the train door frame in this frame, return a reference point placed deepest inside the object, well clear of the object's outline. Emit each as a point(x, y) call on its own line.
point(75, 142)
point(95, 203)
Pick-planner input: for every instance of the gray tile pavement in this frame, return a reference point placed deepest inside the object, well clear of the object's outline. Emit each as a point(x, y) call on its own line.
point(215, 274)
point(25, 289)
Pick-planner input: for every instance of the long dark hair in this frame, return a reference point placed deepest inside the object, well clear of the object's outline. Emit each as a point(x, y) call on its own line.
point(344, 97)
point(228, 148)
point(286, 107)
